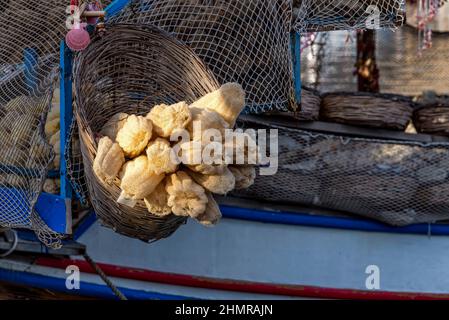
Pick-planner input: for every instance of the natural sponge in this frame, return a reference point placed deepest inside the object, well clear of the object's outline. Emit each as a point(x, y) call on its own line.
point(228, 101)
point(161, 158)
point(114, 124)
point(157, 201)
point(220, 183)
point(109, 159)
point(185, 197)
point(137, 181)
point(134, 136)
point(168, 119)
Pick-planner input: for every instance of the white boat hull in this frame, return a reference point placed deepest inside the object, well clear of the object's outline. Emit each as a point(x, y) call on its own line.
point(241, 259)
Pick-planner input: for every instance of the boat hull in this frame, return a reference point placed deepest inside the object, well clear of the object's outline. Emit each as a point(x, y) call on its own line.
point(242, 259)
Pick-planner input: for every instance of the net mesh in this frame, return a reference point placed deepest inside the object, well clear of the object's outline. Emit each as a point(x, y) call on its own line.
point(399, 183)
point(30, 35)
point(325, 15)
point(24, 160)
point(47, 236)
point(75, 166)
point(329, 63)
point(240, 41)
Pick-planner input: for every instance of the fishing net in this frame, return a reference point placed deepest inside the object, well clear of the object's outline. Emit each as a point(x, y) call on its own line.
point(31, 32)
point(47, 236)
point(24, 161)
point(75, 166)
point(30, 35)
point(397, 182)
point(240, 41)
point(325, 15)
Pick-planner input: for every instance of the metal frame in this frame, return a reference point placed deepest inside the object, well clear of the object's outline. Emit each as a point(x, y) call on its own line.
point(56, 210)
point(296, 60)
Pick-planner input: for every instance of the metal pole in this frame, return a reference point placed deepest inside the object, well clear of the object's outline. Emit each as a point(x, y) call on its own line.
point(296, 60)
point(66, 111)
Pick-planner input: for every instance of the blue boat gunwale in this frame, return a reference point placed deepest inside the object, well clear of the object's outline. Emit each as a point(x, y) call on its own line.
point(302, 218)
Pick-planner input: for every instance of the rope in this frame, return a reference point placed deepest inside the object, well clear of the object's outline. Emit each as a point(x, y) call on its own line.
point(14, 244)
point(104, 277)
point(92, 263)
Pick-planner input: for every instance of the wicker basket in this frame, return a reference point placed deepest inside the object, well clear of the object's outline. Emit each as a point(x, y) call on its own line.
point(130, 69)
point(310, 106)
point(365, 109)
point(433, 118)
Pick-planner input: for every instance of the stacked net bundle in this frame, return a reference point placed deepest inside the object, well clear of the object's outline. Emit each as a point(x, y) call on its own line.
point(329, 64)
point(399, 183)
point(240, 41)
point(326, 15)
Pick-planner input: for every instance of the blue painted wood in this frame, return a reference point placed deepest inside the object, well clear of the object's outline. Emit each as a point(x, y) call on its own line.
point(30, 61)
point(66, 113)
point(303, 218)
point(296, 60)
point(52, 209)
point(331, 222)
point(86, 288)
point(115, 7)
point(56, 211)
point(84, 225)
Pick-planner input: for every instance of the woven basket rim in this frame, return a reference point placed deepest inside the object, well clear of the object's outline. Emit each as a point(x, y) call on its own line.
point(314, 91)
point(386, 96)
point(430, 105)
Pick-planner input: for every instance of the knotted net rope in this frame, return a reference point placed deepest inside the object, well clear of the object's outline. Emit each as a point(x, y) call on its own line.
point(244, 41)
point(326, 15)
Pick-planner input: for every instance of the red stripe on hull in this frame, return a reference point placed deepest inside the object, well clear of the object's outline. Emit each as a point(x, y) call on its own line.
point(238, 285)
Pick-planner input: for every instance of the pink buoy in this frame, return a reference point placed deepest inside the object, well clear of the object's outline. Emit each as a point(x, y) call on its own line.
point(78, 38)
